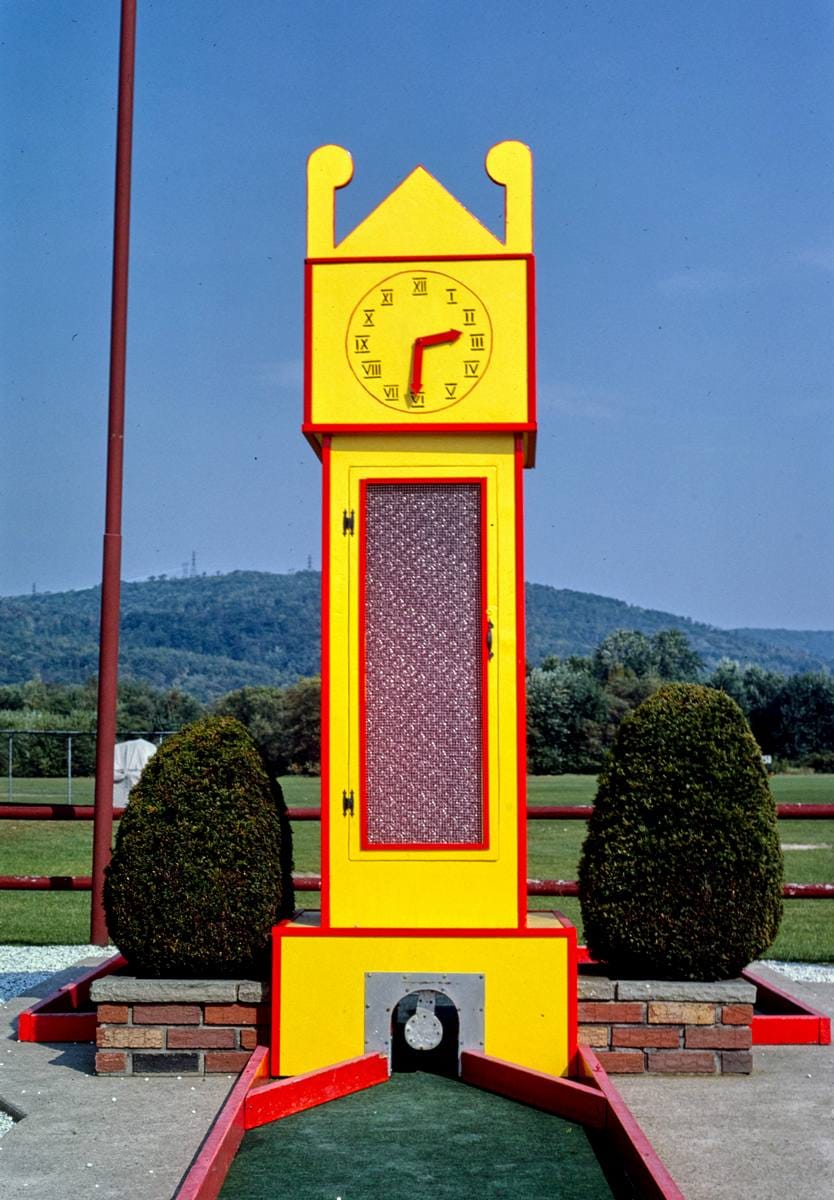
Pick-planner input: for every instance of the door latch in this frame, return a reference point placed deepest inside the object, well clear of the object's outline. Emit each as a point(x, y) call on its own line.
point(347, 521)
point(347, 803)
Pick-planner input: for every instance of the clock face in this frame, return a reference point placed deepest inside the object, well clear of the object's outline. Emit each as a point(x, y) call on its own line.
point(419, 341)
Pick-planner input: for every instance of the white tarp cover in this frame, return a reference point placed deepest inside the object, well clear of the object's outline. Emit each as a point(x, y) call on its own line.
point(128, 762)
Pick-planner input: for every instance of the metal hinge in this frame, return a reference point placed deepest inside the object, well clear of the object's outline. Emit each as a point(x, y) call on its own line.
point(347, 522)
point(347, 803)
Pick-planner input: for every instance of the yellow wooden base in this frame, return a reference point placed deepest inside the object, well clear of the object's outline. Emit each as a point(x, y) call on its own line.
point(318, 1005)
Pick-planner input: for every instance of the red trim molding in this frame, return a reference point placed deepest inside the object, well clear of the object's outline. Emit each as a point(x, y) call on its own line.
point(283, 1097)
point(563, 1097)
point(636, 1152)
point(208, 1171)
point(67, 1014)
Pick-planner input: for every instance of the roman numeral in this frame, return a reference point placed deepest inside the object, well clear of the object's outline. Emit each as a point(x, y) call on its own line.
point(369, 318)
point(391, 390)
point(372, 368)
point(421, 285)
point(387, 297)
point(476, 341)
point(469, 316)
point(451, 292)
point(416, 399)
point(470, 367)
point(451, 388)
point(360, 344)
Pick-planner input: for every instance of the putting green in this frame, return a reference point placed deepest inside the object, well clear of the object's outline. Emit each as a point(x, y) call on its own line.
point(417, 1135)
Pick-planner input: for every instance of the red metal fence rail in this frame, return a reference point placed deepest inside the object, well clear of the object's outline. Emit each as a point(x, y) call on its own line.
point(312, 883)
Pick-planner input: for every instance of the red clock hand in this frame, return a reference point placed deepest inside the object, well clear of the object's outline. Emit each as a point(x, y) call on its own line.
point(420, 343)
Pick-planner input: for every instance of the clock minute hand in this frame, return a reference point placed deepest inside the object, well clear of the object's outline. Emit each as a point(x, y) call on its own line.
point(420, 343)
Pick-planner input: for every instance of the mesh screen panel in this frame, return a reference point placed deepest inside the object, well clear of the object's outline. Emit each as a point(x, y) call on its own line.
point(423, 647)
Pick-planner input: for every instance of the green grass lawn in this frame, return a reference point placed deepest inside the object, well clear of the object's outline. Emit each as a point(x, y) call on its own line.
point(51, 848)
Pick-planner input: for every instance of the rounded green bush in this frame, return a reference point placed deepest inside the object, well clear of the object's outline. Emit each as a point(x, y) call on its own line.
point(681, 871)
point(201, 870)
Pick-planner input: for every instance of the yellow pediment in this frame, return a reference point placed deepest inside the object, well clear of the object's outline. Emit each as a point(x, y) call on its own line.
point(419, 218)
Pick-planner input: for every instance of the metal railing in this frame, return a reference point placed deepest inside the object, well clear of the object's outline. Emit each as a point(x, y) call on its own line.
point(7, 745)
point(312, 883)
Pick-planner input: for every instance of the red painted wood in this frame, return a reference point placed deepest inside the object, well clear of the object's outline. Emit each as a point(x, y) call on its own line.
point(520, 675)
point(786, 1020)
point(325, 665)
point(56, 1027)
point(563, 1097)
point(65, 1014)
point(283, 1097)
point(206, 1175)
point(641, 1161)
point(788, 1029)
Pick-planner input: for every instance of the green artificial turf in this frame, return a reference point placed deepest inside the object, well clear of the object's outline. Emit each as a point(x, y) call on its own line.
point(417, 1136)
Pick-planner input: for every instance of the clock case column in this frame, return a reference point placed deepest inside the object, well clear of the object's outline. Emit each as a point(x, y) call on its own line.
point(480, 882)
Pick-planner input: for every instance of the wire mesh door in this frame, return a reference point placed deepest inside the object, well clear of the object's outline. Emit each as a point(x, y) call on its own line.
point(423, 658)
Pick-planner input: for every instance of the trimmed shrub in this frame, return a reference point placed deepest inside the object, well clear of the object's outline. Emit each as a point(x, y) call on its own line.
point(681, 871)
point(201, 870)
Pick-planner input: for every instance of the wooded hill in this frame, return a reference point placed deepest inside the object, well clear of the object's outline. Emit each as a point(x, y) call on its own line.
point(210, 634)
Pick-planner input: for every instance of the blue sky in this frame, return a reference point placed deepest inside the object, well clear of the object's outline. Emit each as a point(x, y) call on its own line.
point(685, 246)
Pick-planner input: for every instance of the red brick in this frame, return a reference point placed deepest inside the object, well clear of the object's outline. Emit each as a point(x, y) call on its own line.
point(166, 1014)
point(718, 1037)
point(231, 1061)
point(737, 1014)
point(598, 1010)
point(112, 1014)
point(109, 1062)
point(250, 1038)
point(737, 1062)
point(184, 1038)
point(621, 1062)
point(642, 1036)
point(236, 1014)
point(682, 1062)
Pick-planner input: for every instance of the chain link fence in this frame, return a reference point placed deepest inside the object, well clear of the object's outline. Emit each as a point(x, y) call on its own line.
point(51, 766)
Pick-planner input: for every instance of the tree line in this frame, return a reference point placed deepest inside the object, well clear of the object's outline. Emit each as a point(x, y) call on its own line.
point(574, 706)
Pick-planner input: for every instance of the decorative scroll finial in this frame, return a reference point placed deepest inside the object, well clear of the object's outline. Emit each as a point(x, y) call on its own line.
point(419, 217)
point(328, 168)
point(511, 164)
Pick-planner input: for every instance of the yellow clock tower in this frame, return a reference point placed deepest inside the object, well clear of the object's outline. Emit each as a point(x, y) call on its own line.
point(420, 401)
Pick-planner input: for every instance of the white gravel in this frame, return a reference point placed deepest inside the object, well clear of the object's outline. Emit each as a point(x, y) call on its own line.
point(23, 967)
point(802, 972)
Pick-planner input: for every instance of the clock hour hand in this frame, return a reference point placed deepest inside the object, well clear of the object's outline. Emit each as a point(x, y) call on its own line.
point(420, 343)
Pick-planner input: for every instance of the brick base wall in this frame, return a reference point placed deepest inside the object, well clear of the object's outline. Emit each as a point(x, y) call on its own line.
point(674, 1028)
point(177, 1027)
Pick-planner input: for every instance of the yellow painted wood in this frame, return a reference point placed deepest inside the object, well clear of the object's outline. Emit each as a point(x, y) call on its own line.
point(527, 980)
point(419, 217)
point(363, 344)
point(423, 888)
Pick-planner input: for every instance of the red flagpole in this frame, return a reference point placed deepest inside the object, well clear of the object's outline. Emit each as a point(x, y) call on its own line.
point(108, 667)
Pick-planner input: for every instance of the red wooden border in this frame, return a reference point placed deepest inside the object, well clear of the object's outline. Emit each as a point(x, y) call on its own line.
point(62, 1016)
point(562, 1097)
point(521, 684)
point(641, 1161)
point(205, 1177)
point(365, 844)
point(325, 781)
point(792, 1023)
point(283, 1097)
